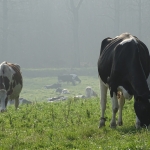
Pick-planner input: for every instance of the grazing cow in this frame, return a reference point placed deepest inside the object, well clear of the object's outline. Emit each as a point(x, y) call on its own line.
point(89, 92)
point(62, 91)
point(53, 86)
point(73, 78)
point(11, 84)
point(124, 65)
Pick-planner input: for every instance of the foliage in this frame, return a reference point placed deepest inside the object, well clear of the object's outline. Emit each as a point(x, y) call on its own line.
point(70, 124)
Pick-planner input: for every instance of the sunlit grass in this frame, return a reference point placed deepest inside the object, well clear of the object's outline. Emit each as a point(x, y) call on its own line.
point(67, 124)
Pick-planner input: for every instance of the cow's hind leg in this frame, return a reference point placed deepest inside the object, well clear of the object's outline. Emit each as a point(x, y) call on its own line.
point(121, 101)
point(103, 96)
point(16, 102)
point(114, 110)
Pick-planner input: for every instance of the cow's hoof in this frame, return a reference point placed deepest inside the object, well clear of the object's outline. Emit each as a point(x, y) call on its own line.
point(102, 122)
point(137, 125)
point(120, 123)
point(113, 124)
point(3, 110)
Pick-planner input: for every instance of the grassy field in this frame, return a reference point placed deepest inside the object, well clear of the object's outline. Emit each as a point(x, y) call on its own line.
point(70, 124)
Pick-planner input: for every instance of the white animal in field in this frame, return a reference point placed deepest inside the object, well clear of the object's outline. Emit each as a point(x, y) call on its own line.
point(89, 92)
point(79, 97)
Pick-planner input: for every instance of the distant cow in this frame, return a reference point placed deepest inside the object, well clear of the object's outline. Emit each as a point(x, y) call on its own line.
point(79, 97)
point(56, 99)
point(62, 91)
point(73, 78)
point(124, 65)
point(53, 86)
point(89, 92)
point(11, 84)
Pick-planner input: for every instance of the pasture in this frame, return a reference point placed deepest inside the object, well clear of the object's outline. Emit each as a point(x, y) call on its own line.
point(70, 124)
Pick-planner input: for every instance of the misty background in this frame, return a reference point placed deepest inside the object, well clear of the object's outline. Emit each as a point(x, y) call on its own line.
point(66, 33)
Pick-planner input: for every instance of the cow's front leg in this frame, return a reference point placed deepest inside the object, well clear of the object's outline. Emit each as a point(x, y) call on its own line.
point(121, 101)
point(103, 96)
point(114, 110)
point(17, 102)
point(3, 97)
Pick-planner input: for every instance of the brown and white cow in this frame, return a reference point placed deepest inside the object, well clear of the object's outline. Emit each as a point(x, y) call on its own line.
point(11, 84)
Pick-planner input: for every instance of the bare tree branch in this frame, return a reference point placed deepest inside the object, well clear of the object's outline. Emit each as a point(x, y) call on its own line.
point(79, 4)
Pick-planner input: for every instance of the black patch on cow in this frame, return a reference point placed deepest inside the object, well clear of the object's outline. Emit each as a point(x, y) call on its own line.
point(17, 77)
point(6, 81)
point(2, 83)
point(142, 110)
point(68, 78)
point(9, 92)
point(127, 64)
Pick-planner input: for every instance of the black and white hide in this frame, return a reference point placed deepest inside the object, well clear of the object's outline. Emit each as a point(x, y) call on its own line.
point(11, 84)
point(124, 65)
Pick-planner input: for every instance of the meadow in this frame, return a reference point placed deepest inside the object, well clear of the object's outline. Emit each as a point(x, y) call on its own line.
point(65, 125)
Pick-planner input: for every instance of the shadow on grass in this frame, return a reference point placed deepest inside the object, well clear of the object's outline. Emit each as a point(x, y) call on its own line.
point(130, 129)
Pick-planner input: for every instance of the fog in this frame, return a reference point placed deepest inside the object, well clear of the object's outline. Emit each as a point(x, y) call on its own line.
point(66, 33)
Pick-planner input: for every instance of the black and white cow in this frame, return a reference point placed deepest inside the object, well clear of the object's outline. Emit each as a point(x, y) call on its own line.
point(53, 86)
point(124, 65)
point(11, 84)
point(73, 78)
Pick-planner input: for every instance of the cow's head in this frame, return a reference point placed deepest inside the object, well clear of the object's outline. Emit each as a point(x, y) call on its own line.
point(88, 92)
point(142, 110)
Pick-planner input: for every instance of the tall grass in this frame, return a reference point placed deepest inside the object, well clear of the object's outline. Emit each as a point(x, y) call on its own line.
point(71, 124)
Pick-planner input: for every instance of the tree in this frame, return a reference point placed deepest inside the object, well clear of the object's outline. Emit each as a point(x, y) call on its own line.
point(75, 11)
point(4, 30)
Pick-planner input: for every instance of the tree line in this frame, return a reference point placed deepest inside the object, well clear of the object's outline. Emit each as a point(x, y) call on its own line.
point(68, 33)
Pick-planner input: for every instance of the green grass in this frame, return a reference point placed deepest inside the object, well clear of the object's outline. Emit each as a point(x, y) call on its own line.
point(67, 124)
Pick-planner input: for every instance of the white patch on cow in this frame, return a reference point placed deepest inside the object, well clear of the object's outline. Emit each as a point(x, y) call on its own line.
point(125, 93)
point(6, 70)
point(3, 95)
point(65, 91)
point(103, 97)
point(128, 40)
point(137, 123)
